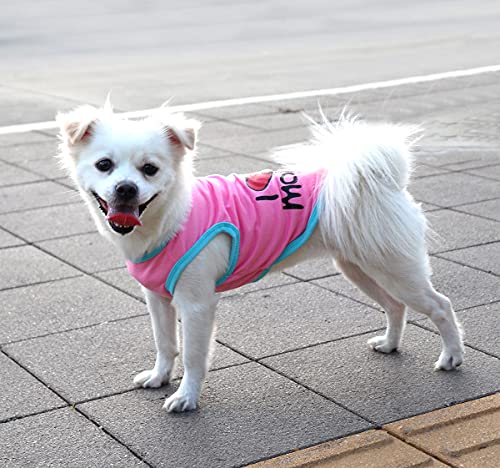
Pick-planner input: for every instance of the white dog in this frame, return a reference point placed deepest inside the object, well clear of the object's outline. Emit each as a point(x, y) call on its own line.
point(137, 179)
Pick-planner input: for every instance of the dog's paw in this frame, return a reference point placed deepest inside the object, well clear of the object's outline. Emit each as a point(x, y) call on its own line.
point(180, 402)
point(382, 344)
point(449, 360)
point(151, 379)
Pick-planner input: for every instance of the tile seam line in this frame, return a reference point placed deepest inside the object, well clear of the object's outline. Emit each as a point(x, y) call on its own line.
point(299, 383)
point(420, 449)
point(23, 128)
point(81, 271)
point(70, 405)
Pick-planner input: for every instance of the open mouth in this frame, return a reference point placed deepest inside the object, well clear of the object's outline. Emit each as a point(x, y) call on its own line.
point(122, 218)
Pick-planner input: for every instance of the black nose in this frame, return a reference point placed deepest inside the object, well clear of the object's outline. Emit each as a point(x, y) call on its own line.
point(126, 191)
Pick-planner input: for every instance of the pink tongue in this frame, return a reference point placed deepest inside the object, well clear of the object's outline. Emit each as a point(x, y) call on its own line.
point(124, 216)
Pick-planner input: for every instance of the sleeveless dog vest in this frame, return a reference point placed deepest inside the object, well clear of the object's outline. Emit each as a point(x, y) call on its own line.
point(268, 216)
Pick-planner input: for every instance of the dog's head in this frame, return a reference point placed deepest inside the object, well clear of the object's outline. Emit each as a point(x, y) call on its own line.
point(122, 167)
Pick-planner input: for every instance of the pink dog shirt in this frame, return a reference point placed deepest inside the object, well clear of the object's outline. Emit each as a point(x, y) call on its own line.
point(268, 215)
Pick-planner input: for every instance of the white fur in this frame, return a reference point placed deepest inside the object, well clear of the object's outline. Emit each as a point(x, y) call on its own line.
point(368, 222)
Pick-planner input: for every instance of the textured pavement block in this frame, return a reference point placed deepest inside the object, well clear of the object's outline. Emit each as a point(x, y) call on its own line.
point(289, 317)
point(457, 230)
point(454, 158)
point(387, 387)
point(12, 175)
point(465, 286)
point(27, 265)
point(34, 195)
point(8, 240)
point(50, 222)
point(21, 394)
point(480, 325)
point(314, 268)
point(271, 280)
point(98, 360)
point(489, 209)
point(231, 164)
point(61, 305)
point(16, 144)
point(491, 172)
point(374, 449)
point(247, 413)
point(236, 112)
point(217, 130)
point(259, 144)
point(486, 257)
point(50, 167)
point(442, 189)
point(465, 435)
point(60, 438)
point(90, 252)
point(121, 278)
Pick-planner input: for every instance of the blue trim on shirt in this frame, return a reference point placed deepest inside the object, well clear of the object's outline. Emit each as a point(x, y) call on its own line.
point(199, 245)
point(297, 243)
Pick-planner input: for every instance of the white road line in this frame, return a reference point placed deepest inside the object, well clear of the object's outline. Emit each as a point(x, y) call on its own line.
point(23, 128)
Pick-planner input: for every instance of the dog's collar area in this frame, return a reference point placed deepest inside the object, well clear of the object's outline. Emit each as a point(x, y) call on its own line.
point(120, 229)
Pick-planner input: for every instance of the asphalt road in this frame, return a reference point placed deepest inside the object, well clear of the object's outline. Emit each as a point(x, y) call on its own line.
point(58, 53)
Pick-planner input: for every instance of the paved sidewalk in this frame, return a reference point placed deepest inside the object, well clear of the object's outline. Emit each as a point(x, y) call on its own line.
point(74, 329)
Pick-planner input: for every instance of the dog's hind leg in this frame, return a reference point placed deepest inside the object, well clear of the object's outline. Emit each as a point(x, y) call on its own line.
point(164, 322)
point(409, 282)
point(395, 311)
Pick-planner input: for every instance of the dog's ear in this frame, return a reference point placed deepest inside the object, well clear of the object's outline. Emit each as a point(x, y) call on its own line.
point(181, 131)
point(76, 126)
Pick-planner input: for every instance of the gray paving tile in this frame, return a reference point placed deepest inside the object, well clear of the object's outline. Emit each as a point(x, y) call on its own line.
point(26, 265)
point(422, 170)
point(217, 130)
point(314, 268)
point(60, 438)
point(61, 305)
point(90, 252)
point(492, 172)
point(289, 317)
point(442, 190)
point(24, 139)
point(49, 222)
point(42, 107)
point(29, 147)
point(47, 167)
point(464, 286)
point(489, 209)
point(485, 257)
point(235, 112)
point(21, 394)
point(339, 284)
point(12, 175)
point(457, 158)
point(480, 325)
point(247, 413)
point(231, 164)
point(8, 240)
point(457, 230)
point(34, 195)
point(271, 280)
point(209, 152)
point(121, 278)
point(99, 360)
point(387, 387)
point(259, 144)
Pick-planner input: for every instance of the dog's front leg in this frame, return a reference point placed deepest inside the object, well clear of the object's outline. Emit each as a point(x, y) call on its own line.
point(163, 320)
point(197, 329)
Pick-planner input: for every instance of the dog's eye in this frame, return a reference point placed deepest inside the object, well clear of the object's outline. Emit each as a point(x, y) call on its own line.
point(104, 165)
point(149, 169)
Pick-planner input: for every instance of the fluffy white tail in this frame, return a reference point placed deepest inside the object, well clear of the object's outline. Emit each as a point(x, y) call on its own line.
point(366, 213)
